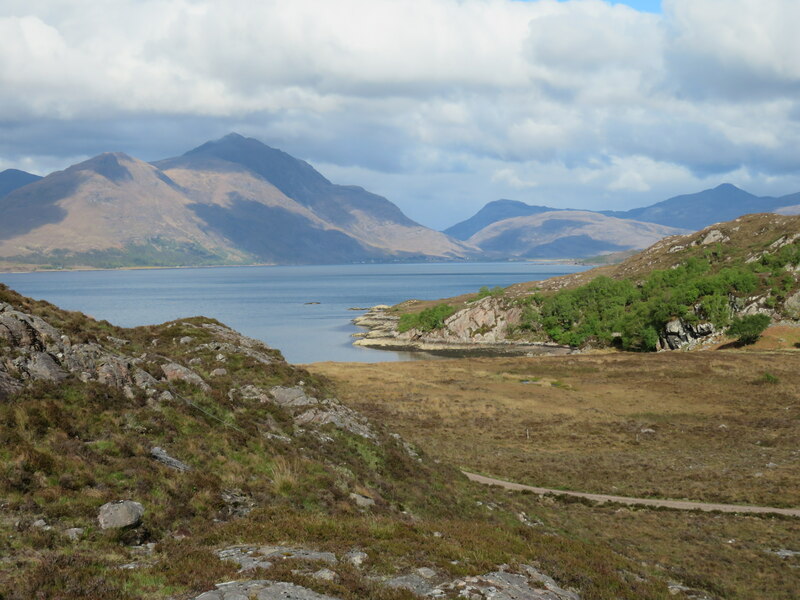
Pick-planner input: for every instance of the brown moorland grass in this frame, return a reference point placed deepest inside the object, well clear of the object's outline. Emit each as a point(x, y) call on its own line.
point(713, 426)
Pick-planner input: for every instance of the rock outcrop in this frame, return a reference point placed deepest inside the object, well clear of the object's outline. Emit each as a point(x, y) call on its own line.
point(481, 328)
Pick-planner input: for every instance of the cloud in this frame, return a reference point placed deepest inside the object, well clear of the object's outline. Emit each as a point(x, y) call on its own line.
point(442, 104)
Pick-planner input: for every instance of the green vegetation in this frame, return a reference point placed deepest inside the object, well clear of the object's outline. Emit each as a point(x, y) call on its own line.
point(749, 328)
point(485, 292)
point(426, 320)
point(631, 313)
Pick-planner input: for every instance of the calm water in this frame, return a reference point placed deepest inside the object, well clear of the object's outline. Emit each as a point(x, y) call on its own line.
point(268, 303)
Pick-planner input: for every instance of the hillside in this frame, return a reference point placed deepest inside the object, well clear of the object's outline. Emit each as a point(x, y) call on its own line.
point(696, 211)
point(491, 213)
point(11, 179)
point(232, 201)
point(161, 461)
point(684, 291)
point(496, 228)
point(558, 234)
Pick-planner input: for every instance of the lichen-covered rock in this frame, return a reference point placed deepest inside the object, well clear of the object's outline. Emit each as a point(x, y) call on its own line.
point(261, 590)
point(121, 514)
point(176, 372)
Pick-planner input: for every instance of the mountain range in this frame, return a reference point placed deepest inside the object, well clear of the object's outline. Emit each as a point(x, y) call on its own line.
point(511, 228)
point(236, 200)
point(230, 201)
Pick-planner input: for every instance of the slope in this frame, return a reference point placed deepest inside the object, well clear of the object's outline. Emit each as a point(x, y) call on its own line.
point(368, 218)
point(696, 211)
point(160, 461)
point(111, 210)
point(12, 179)
point(560, 234)
point(491, 213)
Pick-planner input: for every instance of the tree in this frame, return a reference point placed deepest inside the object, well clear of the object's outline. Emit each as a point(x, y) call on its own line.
point(749, 328)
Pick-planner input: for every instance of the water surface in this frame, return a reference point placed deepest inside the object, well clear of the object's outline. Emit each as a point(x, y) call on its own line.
point(269, 303)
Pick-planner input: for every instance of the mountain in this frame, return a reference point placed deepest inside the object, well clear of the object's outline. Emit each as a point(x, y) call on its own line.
point(371, 220)
point(491, 213)
point(566, 234)
point(689, 212)
point(232, 201)
point(11, 179)
point(696, 211)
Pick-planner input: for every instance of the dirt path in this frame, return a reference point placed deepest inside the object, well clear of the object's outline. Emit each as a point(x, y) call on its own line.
point(676, 504)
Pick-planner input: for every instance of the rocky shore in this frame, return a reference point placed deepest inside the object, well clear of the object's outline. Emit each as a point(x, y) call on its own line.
point(479, 330)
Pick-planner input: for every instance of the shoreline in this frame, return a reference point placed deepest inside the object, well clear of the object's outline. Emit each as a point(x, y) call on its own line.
point(382, 334)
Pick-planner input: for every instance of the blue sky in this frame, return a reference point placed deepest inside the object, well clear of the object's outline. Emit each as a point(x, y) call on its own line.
point(653, 6)
point(439, 105)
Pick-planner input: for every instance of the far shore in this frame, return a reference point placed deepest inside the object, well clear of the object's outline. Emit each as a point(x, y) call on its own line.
point(6, 268)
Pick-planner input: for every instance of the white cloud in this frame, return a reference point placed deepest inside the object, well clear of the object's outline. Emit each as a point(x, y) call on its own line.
point(476, 99)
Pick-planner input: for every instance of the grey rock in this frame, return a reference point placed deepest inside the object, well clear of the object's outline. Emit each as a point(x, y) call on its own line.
point(161, 456)
point(219, 372)
point(120, 514)
point(325, 575)
point(119, 343)
point(333, 413)
point(292, 396)
point(791, 307)
point(251, 557)
point(356, 558)
point(426, 572)
point(261, 590)
point(187, 339)
point(413, 582)
point(176, 372)
point(42, 366)
point(74, 533)
point(362, 501)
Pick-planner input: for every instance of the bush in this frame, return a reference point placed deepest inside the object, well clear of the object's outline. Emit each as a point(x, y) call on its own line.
point(427, 320)
point(748, 329)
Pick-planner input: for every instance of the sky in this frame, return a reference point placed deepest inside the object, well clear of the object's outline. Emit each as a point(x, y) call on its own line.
point(439, 105)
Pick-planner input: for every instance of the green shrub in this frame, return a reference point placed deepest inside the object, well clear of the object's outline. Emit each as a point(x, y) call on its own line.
point(427, 320)
point(749, 328)
point(484, 292)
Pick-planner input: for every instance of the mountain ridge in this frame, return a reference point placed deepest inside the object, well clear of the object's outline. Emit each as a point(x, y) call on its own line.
point(215, 204)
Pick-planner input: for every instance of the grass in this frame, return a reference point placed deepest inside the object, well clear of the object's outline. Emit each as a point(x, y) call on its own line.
point(701, 426)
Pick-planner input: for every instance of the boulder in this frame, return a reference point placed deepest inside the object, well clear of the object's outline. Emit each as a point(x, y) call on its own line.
point(176, 372)
point(121, 514)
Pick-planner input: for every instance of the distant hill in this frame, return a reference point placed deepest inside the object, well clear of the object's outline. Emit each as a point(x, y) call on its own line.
point(688, 212)
point(696, 211)
point(12, 179)
point(560, 234)
point(231, 201)
point(491, 213)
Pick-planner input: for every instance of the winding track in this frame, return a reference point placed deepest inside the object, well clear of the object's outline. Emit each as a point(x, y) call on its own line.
point(657, 503)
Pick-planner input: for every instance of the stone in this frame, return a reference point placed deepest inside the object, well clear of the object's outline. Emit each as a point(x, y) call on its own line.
point(356, 558)
point(292, 396)
point(426, 572)
point(714, 236)
point(791, 307)
point(74, 533)
point(362, 501)
point(187, 339)
point(120, 514)
point(43, 366)
point(261, 590)
point(161, 456)
point(219, 372)
point(176, 372)
point(325, 575)
point(413, 582)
